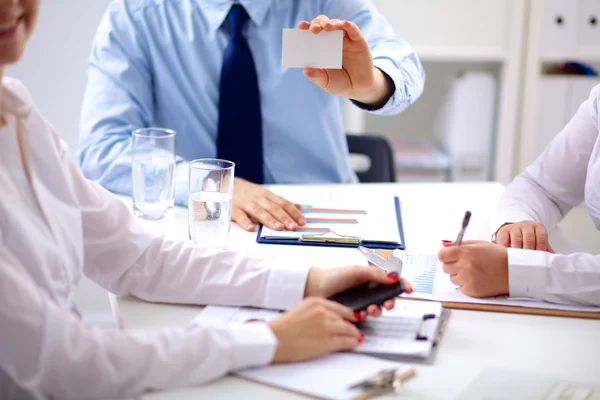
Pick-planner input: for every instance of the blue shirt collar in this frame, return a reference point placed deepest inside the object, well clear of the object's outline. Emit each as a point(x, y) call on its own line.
point(216, 10)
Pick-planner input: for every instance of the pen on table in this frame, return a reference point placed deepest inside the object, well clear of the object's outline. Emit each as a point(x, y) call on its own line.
point(461, 233)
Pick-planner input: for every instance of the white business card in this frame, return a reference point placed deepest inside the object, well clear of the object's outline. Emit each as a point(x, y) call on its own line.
point(302, 48)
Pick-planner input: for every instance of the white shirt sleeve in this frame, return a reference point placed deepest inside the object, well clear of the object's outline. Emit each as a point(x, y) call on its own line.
point(555, 182)
point(556, 278)
point(46, 349)
point(124, 258)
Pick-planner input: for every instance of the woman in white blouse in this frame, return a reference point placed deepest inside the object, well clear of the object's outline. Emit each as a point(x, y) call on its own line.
point(55, 226)
point(564, 176)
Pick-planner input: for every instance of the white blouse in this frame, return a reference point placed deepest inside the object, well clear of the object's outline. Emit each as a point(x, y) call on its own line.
point(564, 176)
point(55, 226)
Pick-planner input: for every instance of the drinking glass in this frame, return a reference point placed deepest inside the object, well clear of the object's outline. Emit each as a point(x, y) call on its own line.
point(152, 174)
point(209, 206)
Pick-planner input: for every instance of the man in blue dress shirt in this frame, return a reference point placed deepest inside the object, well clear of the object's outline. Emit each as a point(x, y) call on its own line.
point(180, 64)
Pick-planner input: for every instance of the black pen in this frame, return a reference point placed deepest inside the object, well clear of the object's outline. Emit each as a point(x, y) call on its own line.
point(461, 233)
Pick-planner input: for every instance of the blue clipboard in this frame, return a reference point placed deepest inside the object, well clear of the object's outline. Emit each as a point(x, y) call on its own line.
point(342, 242)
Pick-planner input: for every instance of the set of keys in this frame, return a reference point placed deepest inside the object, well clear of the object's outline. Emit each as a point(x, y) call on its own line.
point(385, 382)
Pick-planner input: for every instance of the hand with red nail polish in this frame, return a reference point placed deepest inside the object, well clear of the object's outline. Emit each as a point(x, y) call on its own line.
point(314, 328)
point(327, 282)
point(479, 268)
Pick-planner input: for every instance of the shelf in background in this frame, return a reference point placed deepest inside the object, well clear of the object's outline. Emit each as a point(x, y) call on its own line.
point(460, 54)
point(584, 58)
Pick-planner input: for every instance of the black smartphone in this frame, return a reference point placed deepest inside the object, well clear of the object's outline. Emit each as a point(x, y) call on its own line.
point(360, 297)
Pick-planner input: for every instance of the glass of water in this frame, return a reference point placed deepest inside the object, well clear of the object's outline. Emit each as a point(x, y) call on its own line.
point(211, 188)
point(153, 172)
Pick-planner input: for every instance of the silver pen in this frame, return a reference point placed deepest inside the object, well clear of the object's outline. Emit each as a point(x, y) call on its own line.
point(461, 233)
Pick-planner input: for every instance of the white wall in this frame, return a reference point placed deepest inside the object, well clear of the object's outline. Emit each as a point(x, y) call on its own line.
point(54, 64)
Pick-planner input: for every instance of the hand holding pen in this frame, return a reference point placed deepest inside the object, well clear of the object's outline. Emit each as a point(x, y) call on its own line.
point(477, 268)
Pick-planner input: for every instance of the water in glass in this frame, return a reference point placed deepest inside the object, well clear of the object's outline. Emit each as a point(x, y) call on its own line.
point(209, 216)
point(153, 186)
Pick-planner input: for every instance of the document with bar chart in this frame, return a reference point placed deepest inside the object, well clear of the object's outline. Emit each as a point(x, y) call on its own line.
point(425, 272)
point(350, 222)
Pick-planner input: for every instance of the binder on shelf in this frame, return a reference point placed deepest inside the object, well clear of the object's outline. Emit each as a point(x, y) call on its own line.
point(465, 125)
point(589, 27)
point(553, 109)
point(559, 27)
point(377, 225)
point(560, 97)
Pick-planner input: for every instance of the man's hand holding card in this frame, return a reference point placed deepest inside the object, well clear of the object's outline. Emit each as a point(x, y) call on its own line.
point(337, 58)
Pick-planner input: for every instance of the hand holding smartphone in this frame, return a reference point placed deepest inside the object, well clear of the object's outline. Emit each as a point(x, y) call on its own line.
point(360, 297)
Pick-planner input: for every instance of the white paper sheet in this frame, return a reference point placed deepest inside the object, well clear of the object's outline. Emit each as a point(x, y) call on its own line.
point(302, 48)
point(378, 224)
point(431, 283)
point(328, 377)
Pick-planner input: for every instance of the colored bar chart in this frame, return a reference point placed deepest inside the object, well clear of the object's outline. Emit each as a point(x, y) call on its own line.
point(424, 283)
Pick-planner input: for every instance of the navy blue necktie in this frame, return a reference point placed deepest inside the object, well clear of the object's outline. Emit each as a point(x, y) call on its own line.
point(240, 123)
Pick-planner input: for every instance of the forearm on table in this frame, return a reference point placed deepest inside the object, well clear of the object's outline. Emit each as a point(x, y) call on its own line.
point(557, 278)
point(177, 272)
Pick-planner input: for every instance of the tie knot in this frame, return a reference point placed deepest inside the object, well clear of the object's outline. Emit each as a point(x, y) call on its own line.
point(237, 19)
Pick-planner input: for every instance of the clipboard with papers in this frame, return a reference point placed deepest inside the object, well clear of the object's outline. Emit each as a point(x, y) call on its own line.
point(410, 331)
point(377, 224)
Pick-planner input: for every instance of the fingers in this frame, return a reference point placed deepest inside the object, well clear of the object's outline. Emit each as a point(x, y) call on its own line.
point(375, 274)
point(344, 336)
point(352, 30)
point(340, 343)
point(258, 212)
point(271, 214)
point(450, 268)
point(340, 310)
point(303, 25)
point(318, 23)
point(373, 310)
point(290, 209)
point(389, 304)
point(503, 237)
point(541, 237)
point(281, 218)
point(529, 238)
point(344, 328)
point(318, 76)
point(408, 287)
point(323, 23)
point(516, 239)
point(455, 279)
point(449, 254)
point(241, 218)
point(333, 25)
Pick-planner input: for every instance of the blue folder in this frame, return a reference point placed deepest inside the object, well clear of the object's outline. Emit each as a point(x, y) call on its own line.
point(366, 243)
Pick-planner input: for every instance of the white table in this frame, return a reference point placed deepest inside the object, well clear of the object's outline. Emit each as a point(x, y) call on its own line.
point(473, 340)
